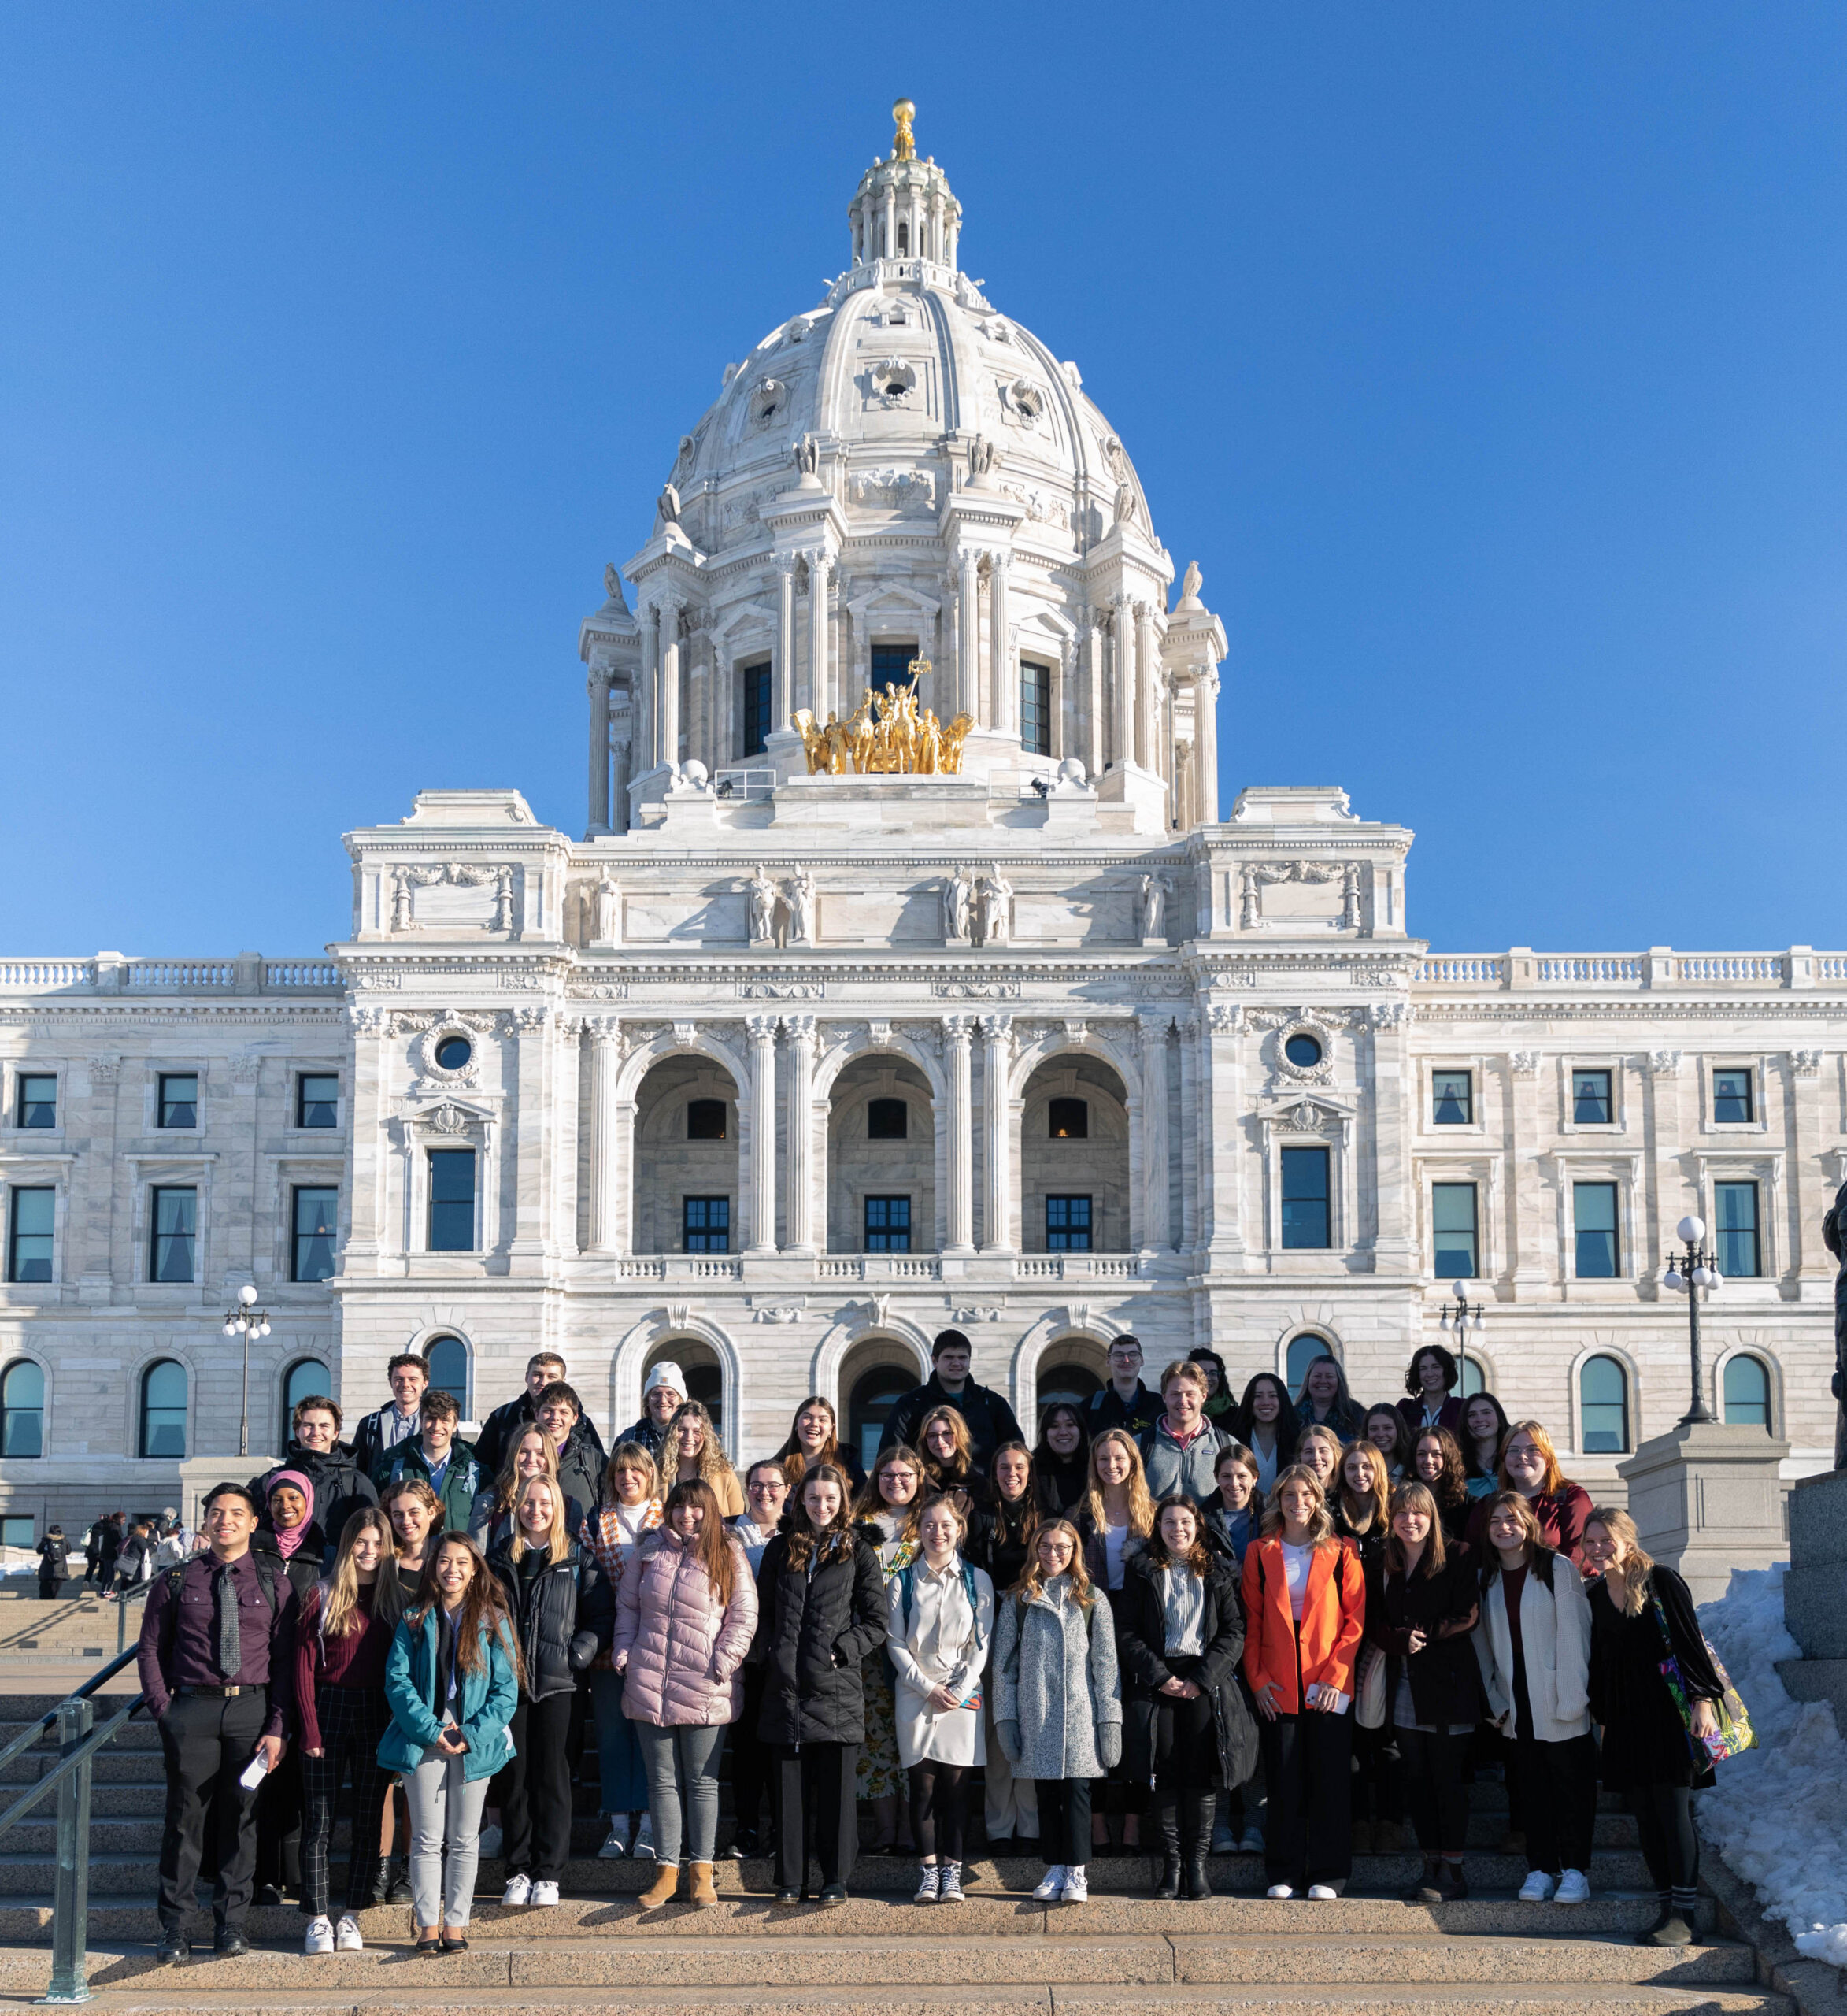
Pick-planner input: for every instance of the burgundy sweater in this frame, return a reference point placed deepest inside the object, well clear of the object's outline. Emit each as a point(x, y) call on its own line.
point(356, 1659)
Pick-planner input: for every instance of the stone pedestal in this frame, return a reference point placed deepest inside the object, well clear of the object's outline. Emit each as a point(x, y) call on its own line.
point(1707, 1499)
point(199, 1474)
point(1815, 1593)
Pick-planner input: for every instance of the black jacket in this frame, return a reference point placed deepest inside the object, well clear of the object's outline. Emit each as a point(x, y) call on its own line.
point(303, 1567)
point(565, 1615)
point(812, 1633)
point(341, 1488)
point(504, 1427)
point(1142, 1641)
point(997, 1542)
point(990, 1419)
point(580, 1468)
point(368, 1440)
point(1445, 1682)
point(1107, 1409)
point(54, 1558)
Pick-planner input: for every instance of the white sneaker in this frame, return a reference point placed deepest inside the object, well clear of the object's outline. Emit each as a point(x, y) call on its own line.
point(1537, 1888)
point(1280, 1890)
point(544, 1896)
point(1076, 1889)
point(319, 1938)
point(929, 1876)
point(1573, 1887)
point(1050, 1884)
point(948, 1888)
point(644, 1839)
point(519, 1891)
point(346, 1939)
point(615, 1846)
point(1321, 1893)
point(493, 1839)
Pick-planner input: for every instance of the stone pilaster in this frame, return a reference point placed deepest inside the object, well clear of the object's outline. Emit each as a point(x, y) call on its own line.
point(958, 1124)
point(798, 1036)
point(599, 752)
point(761, 1230)
point(1190, 1132)
point(1205, 744)
point(1220, 1136)
point(967, 632)
point(96, 1226)
point(668, 687)
point(782, 701)
point(1394, 1076)
point(528, 1140)
point(997, 1213)
point(1155, 1218)
point(1006, 686)
point(607, 1161)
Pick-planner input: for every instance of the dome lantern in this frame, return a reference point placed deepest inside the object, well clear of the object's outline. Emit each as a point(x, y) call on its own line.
point(903, 209)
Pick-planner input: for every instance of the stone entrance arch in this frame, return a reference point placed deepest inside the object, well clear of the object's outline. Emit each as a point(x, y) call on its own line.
point(1074, 1088)
point(677, 1157)
point(866, 1160)
point(873, 1374)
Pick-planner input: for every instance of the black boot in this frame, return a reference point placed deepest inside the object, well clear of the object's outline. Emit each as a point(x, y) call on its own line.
point(398, 1891)
point(381, 1881)
point(1199, 1807)
point(1163, 1816)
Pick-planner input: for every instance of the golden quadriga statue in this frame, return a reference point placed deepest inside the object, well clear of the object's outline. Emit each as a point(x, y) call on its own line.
point(886, 733)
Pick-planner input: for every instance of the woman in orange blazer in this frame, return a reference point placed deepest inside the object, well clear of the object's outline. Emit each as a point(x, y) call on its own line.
point(1304, 1604)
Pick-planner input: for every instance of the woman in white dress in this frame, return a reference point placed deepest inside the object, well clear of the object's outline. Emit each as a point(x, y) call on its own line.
point(940, 1614)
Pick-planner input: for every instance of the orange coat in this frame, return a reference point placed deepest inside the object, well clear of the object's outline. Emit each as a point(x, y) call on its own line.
point(1334, 1615)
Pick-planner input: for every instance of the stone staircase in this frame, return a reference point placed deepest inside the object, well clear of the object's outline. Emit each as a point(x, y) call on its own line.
point(1123, 1953)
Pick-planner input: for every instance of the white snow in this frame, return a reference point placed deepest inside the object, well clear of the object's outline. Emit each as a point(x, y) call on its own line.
point(1778, 1815)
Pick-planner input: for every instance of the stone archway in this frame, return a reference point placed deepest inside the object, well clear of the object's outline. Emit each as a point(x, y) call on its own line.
point(689, 1180)
point(1074, 1157)
point(881, 1158)
point(873, 1374)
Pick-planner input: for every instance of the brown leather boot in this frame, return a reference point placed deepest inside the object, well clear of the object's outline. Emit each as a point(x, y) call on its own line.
point(704, 1890)
point(661, 1890)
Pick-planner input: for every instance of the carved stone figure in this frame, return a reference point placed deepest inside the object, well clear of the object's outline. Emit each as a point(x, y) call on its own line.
point(806, 455)
point(1833, 1231)
point(1154, 897)
point(612, 583)
point(984, 458)
point(1190, 586)
point(993, 901)
point(763, 908)
point(607, 911)
point(1125, 503)
point(668, 504)
point(957, 893)
point(799, 893)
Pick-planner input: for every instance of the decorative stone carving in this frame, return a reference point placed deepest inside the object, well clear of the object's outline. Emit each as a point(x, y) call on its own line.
point(984, 458)
point(245, 1070)
point(1226, 1018)
point(782, 990)
point(958, 893)
point(911, 492)
point(780, 1312)
point(762, 893)
point(975, 990)
point(448, 1119)
point(801, 897)
point(1664, 1063)
point(407, 880)
point(606, 910)
point(1307, 1116)
point(1153, 907)
point(1524, 1063)
point(685, 1035)
point(1257, 876)
point(529, 1020)
point(1076, 1033)
point(1805, 1063)
point(1389, 1014)
point(105, 1071)
point(977, 1313)
point(679, 1315)
point(993, 907)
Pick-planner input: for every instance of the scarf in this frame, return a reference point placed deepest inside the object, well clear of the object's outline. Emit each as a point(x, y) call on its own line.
point(289, 1539)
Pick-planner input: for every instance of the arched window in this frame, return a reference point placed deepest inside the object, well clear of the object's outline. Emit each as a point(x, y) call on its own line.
point(449, 1370)
point(163, 1410)
point(1747, 1393)
point(1472, 1380)
point(874, 1396)
point(305, 1376)
point(1303, 1351)
point(1603, 1402)
point(705, 1375)
point(22, 1410)
point(1067, 1381)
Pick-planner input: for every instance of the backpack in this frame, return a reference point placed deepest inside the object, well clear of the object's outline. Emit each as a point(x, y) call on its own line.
point(905, 1578)
point(266, 1575)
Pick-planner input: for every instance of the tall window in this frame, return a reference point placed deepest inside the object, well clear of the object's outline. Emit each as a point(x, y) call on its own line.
point(448, 1359)
point(1453, 1098)
point(451, 1200)
point(891, 665)
point(316, 1231)
point(163, 1410)
point(1067, 1225)
point(1303, 1351)
point(174, 1234)
point(1035, 708)
point(1068, 1119)
point(29, 1234)
point(22, 1410)
point(757, 708)
point(317, 1099)
point(888, 1225)
point(1747, 1393)
point(706, 1224)
point(1472, 1381)
point(1453, 1231)
point(180, 1099)
point(305, 1377)
point(1590, 1099)
point(705, 1120)
point(38, 1100)
point(1593, 1222)
point(1306, 1222)
point(1739, 1252)
point(887, 1120)
point(1603, 1402)
point(1732, 1102)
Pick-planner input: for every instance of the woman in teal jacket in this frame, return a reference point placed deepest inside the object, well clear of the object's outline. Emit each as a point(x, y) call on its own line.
point(452, 1677)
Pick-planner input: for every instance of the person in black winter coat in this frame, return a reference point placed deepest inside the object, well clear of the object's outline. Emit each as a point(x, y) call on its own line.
point(341, 1487)
point(500, 1428)
point(1000, 1542)
point(1422, 1597)
point(990, 1419)
point(820, 1597)
point(55, 1561)
point(1187, 1729)
point(1125, 1401)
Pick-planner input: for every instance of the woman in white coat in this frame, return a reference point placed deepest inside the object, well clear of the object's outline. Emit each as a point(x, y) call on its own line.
point(940, 1628)
point(1533, 1643)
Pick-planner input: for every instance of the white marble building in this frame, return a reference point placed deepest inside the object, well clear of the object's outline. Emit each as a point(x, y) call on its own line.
point(778, 1073)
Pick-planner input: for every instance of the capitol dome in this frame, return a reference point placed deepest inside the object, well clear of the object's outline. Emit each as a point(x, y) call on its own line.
point(904, 472)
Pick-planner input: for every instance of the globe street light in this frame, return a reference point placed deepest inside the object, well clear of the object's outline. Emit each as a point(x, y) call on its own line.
point(252, 1322)
point(1468, 1316)
point(1693, 1273)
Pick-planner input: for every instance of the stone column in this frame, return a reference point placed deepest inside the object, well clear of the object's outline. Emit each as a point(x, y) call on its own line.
point(1219, 1136)
point(762, 1190)
point(606, 1160)
point(819, 683)
point(1006, 686)
point(648, 713)
point(622, 760)
point(959, 1157)
point(997, 1213)
point(1190, 1128)
point(798, 1035)
point(968, 634)
point(669, 682)
point(1205, 743)
point(528, 1162)
point(1394, 1077)
point(1147, 690)
point(599, 750)
point(1124, 628)
point(1155, 1235)
point(782, 702)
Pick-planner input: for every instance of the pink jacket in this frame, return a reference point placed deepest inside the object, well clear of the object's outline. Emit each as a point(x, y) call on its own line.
point(685, 1654)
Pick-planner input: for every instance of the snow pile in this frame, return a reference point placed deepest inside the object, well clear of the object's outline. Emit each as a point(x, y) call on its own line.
point(1779, 1813)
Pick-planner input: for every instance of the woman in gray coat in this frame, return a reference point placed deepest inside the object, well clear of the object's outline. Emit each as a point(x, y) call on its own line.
point(1058, 1704)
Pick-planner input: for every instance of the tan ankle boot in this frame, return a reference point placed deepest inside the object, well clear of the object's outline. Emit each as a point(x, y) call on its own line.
point(661, 1890)
point(704, 1892)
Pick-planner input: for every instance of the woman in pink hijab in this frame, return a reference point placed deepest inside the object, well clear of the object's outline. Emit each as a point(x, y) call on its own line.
point(289, 1532)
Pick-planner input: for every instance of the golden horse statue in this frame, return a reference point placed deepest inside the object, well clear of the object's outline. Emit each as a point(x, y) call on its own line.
point(885, 734)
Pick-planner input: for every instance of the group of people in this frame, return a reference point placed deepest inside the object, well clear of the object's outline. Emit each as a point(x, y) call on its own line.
point(1274, 1623)
point(119, 1554)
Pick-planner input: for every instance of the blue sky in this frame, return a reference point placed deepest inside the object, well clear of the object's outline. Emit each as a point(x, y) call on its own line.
point(1487, 359)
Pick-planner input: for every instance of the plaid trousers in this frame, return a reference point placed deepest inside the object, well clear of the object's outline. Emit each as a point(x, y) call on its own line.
point(353, 1721)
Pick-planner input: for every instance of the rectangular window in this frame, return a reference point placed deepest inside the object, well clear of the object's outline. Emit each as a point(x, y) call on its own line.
point(38, 1100)
point(705, 1120)
point(28, 1235)
point(1067, 1225)
point(1590, 1099)
point(1068, 1119)
point(317, 1099)
point(316, 1232)
point(1035, 708)
point(888, 1225)
point(1732, 1104)
point(757, 709)
point(17, 1532)
point(175, 1235)
point(1593, 1222)
point(1453, 1098)
point(891, 665)
point(179, 1099)
point(1453, 1231)
point(451, 1200)
point(1306, 1220)
point(706, 1224)
point(887, 1120)
point(1739, 1253)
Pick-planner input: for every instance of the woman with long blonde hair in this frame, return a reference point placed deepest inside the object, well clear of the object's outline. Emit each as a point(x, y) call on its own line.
point(691, 1453)
point(1114, 1523)
point(630, 1509)
point(947, 1453)
point(532, 1453)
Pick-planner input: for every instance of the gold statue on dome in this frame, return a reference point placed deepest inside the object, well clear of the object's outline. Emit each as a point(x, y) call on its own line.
point(887, 734)
point(903, 147)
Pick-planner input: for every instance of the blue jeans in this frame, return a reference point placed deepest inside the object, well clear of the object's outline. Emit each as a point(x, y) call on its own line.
point(618, 1754)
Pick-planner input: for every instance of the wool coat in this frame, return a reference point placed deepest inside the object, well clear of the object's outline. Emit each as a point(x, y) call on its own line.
point(1145, 1668)
point(813, 1630)
point(686, 1653)
point(942, 1642)
point(1333, 1614)
point(1444, 1684)
point(1058, 1699)
point(1554, 1638)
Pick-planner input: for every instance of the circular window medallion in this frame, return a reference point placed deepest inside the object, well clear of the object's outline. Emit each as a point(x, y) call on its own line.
point(1302, 1051)
point(452, 1052)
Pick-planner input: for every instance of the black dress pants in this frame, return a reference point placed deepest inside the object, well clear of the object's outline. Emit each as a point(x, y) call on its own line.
point(752, 1765)
point(1434, 1760)
point(1064, 1820)
point(1308, 1760)
point(815, 1801)
point(535, 1789)
point(1558, 1800)
point(208, 1740)
point(1664, 1828)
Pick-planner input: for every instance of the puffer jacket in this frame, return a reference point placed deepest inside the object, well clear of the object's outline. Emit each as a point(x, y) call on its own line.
point(564, 1616)
point(686, 1655)
point(812, 1631)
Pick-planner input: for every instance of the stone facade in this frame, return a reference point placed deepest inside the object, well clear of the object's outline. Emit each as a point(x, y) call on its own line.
point(690, 1072)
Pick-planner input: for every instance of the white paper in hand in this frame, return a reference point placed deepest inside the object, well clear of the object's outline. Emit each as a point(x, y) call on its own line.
point(254, 1773)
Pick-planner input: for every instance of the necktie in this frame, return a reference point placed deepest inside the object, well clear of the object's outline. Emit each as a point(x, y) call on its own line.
point(224, 1619)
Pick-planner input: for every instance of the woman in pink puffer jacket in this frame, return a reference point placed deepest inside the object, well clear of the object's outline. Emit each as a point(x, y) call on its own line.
point(686, 1612)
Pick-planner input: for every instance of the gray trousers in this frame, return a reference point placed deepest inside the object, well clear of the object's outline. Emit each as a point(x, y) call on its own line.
point(443, 1807)
point(681, 1765)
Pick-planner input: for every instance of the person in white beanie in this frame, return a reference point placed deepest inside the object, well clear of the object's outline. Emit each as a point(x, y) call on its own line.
point(662, 1392)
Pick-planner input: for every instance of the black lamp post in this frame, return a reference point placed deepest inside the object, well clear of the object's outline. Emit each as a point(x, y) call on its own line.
point(253, 1322)
point(1691, 1273)
point(1463, 1316)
